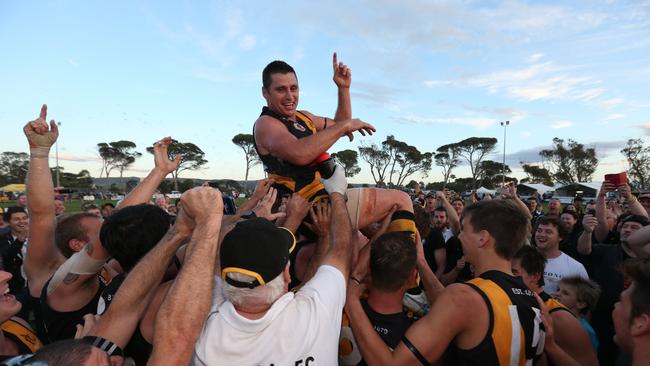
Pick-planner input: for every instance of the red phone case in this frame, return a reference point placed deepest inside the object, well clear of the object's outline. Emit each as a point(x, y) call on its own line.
point(616, 179)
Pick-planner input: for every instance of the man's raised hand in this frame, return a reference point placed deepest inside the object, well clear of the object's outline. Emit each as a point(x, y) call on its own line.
point(161, 157)
point(264, 206)
point(39, 135)
point(202, 204)
point(356, 124)
point(342, 74)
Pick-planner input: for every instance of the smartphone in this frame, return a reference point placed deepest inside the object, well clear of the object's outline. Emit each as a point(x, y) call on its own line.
point(592, 212)
point(616, 179)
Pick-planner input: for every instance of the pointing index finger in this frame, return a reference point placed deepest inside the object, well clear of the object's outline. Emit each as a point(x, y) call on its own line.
point(43, 115)
point(334, 61)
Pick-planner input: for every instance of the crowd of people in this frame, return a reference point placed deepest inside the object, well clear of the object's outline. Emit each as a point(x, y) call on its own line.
point(308, 272)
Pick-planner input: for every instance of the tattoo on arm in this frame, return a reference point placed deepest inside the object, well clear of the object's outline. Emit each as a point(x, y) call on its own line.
point(70, 278)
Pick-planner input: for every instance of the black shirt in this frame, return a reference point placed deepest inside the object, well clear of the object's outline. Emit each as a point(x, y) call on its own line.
point(604, 265)
point(434, 241)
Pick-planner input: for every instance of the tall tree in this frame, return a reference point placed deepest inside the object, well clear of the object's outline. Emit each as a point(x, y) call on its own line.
point(108, 155)
point(536, 174)
point(638, 158)
point(349, 160)
point(447, 158)
point(13, 167)
point(125, 154)
point(570, 163)
point(492, 172)
point(192, 158)
point(474, 150)
point(246, 142)
point(393, 148)
point(378, 160)
point(410, 161)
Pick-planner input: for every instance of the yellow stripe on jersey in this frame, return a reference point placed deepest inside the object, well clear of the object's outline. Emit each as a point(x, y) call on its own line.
point(554, 305)
point(22, 334)
point(307, 121)
point(505, 331)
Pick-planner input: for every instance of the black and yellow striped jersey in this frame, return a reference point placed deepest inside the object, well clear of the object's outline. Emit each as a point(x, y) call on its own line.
point(22, 335)
point(288, 177)
point(515, 333)
point(552, 304)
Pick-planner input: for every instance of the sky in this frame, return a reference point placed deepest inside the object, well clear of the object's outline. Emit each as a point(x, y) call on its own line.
point(428, 72)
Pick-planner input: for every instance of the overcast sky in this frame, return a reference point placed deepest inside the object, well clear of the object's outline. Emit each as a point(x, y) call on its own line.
point(428, 72)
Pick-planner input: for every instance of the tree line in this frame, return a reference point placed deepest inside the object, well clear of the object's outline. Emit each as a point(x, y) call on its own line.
point(392, 162)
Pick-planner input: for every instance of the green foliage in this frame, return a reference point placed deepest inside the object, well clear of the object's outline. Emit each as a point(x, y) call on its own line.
point(474, 150)
point(378, 160)
point(492, 173)
point(192, 157)
point(570, 163)
point(400, 159)
point(246, 142)
point(638, 158)
point(13, 167)
point(81, 180)
point(447, 158)
point(349, 161)
point(536, 175)
point(117, 155)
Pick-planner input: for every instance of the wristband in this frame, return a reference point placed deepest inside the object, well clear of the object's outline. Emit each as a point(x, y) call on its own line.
point(39, 152)
point(355, 280)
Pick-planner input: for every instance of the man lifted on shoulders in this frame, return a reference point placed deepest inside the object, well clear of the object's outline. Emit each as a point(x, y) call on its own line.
point(293, 144)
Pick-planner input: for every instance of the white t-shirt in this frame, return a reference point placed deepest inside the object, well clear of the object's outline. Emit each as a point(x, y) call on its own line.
point(299, 329)
point(447, 233)
point(560, 267)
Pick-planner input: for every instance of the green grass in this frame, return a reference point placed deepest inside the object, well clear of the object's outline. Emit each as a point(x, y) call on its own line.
point(71, 206)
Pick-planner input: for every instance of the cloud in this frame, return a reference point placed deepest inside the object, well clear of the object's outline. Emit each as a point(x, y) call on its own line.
point(614, 116)
point(530, 155)
point(478, 122)
point(73, 62)
point(534, 57)
point(646, 128)
point(504, 113)
point(562, 124)
point(376, 94)
point(540, 81)
point(77, 158)
point(248, 42)
point(610, 103)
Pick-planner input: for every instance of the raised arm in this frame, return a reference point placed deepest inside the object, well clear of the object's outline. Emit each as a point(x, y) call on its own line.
point(187, 304)
point(454, 221)
point(635, 206)
point(42, 255)
point(512, 194)
point(432, 286)
point(601, 213)
point(122, 317)
point(340, 253)
point(261, 189)
point(342, 78)
point(147, 187)
point(589, 224)
point(320, 217)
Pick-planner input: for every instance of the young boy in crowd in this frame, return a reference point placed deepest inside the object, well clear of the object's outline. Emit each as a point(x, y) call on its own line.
point(580, 296)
